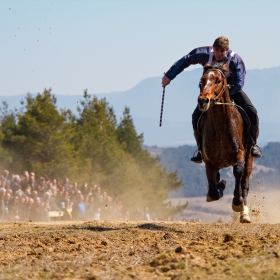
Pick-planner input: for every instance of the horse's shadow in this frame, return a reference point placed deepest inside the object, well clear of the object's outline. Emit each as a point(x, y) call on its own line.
point(149, 226)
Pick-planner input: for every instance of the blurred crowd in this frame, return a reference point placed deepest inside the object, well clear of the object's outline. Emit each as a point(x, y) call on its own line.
point(26, 198)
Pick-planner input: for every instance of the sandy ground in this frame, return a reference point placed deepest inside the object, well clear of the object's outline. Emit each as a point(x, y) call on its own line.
point(94, 250)
point(139, 250)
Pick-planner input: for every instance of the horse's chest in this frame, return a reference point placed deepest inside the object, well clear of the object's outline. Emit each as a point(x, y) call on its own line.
point(220, 150)
point(222, 139)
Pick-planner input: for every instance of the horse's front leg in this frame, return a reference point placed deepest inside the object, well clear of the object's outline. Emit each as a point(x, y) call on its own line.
point(238, 170)
point(244, 214)
point(212, 174)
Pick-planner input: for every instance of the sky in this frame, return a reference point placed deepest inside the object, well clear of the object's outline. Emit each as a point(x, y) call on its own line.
point(106, 46)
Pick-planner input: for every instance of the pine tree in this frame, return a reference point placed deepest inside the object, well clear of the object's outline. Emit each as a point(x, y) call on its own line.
point(37, 137)
point(91, 147)
point(127, 135)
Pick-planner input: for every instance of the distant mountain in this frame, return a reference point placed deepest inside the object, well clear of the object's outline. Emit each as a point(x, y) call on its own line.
point(265, 170)
point(144, 101)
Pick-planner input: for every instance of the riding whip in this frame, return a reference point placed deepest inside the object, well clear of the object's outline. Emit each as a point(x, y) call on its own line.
point(161, 111)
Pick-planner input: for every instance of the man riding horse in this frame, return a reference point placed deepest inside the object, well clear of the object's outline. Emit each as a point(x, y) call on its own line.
point(219, 52)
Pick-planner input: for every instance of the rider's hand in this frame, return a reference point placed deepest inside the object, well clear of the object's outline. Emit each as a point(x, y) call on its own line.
point(165, 81)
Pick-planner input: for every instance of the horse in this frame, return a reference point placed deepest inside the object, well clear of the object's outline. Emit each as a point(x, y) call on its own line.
point(223, 139)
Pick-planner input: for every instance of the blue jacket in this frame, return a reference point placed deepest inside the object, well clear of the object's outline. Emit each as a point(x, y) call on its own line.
point(201, 56)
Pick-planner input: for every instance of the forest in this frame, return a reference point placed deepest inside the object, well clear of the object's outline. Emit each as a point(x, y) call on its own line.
point(90, 146)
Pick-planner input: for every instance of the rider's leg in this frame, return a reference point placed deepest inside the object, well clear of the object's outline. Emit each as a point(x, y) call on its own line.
point(195, 117)
point(241, 99)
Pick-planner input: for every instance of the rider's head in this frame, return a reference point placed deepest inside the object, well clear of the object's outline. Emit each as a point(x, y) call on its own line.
point(220, 47)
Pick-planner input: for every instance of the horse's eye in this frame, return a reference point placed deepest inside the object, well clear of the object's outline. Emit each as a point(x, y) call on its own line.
point(218, 81)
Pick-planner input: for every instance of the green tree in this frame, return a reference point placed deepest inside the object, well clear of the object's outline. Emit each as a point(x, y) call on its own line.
point(95, 137)
point(8, 120)
point(90, 146)
point(37, 138)
point(127, 135)
point(156, 181)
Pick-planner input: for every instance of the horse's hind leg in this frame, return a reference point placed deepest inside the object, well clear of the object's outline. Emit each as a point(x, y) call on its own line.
point(244, 214)
point(238, 170)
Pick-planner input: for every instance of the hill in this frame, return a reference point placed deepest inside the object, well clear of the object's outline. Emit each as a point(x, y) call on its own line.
point(144, 101)
point(266, 170)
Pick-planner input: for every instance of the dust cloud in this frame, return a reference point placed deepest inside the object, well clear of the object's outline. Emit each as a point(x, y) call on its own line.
point(264, 207)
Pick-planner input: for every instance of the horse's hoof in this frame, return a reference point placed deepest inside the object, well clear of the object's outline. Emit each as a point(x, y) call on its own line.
point(237, 208)
point(214, 196)
point(209, 199)
point(244, 215)
point(245, 219)
point(237, 204)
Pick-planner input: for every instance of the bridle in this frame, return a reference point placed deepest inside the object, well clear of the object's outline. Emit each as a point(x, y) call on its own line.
point(225, 85)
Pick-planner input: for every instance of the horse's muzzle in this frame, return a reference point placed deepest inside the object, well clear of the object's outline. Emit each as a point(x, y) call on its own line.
point(203, 104)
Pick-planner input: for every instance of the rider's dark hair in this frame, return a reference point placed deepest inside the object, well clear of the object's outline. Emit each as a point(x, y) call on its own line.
point(221, 43)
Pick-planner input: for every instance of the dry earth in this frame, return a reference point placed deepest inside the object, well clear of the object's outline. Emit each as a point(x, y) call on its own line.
point(139, 250)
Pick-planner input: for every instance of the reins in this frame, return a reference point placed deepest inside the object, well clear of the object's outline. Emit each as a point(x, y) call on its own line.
point(244, 115)
point(217, 100)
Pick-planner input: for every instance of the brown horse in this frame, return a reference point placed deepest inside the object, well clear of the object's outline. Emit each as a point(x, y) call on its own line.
point(223, 139)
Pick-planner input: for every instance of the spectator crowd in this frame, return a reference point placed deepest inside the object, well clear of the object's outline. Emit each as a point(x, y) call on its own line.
point(24, 198)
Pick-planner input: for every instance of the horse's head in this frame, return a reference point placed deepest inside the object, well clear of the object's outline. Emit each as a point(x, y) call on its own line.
point(212, 85)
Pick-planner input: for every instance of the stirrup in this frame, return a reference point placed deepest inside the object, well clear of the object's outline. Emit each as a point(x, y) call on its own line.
point(257, 148)
point(195, 158)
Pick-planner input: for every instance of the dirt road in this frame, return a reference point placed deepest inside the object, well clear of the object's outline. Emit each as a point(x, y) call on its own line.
point(139, 250)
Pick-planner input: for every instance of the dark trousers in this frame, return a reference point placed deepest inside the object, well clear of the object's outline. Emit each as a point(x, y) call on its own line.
point(241, 99)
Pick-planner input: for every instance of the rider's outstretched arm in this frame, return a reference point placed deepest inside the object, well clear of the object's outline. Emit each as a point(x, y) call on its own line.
point(196, 56)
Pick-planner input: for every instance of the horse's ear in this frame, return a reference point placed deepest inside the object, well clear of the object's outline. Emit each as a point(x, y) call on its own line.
point(206, 67)
point(225, 67)
point(226, 70)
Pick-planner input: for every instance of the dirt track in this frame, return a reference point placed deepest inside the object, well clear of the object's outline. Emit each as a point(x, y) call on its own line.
point(139, 250)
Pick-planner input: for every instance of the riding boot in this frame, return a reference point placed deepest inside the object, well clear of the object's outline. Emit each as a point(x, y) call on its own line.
point(255, 150)
point(198, 157)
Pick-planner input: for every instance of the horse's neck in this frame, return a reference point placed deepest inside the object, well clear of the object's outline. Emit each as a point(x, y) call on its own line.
point(221, 115)
point(226, 96)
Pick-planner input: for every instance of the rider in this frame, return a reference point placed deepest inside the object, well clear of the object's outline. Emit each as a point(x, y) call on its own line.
point(219, 52)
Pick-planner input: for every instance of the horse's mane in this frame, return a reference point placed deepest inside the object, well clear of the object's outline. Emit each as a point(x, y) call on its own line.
point(218, 65)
